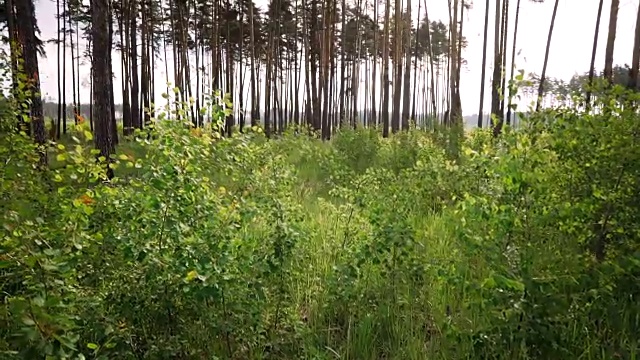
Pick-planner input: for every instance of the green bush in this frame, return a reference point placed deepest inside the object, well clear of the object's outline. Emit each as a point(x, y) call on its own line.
point(523, 246)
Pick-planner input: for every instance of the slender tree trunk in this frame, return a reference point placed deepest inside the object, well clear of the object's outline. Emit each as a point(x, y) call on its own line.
point(497, 71)
point(484, 63)
point(415, 71)
point(241, 115)
point(15, 53)
point(124, 25)
point(144, 66)
point(78, 55)
point(385, 71)
point(343, 66)
point(431, 60)
point(326, 67)
point(611, 40)
point(635, 62)
point(135, 84)
point(267, 86)
point(397, 62)
point(374, 72)
point(255, 110)
point(594, 50)
point(513, 62)
point(59, 121)
point(315, 66)
point(65, 10)
point(503, 51)
point(407, 69)
point(113, 125)
point(455, 114)
point(546, 56)
point(73, 75)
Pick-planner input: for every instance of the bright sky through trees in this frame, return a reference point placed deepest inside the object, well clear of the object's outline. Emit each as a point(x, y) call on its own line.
point(570, 48)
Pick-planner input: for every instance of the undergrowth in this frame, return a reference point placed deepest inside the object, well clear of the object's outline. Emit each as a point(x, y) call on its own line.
point(523, 246)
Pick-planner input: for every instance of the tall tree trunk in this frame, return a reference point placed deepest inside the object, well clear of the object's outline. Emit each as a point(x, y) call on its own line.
point(611, 40)
point(385, 71)
point(65, 11)
point(124, 24)
point(546, 56)
point(315, 66)
point(594, 50)
point(268, 86)
point(73, 74)
point(343, 66)
point(255, 106)
point(135, 84)
point(374, 73)
point(484, 63)
point(503, 51)
point(59, 121)
point(144, 65)
point(497, 71)
point(513, 62)
point(397, 62)
point(26, 25)
point(113, 125)
point(241, 114)
point(635, 62)
point(414, 92)
point(101, 79)
point(326, 67)
point(229, 121)
point(455, 114)
point(431, 61)
point(407, 69)
point(78, 55)
point(15, 53)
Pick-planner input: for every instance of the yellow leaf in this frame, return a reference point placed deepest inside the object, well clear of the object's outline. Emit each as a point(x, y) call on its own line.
point(191, 275)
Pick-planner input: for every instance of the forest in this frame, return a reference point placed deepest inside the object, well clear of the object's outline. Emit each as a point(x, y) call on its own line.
point(302, 184)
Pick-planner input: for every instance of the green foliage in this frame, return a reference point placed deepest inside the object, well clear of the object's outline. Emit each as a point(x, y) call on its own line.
point(523, 246)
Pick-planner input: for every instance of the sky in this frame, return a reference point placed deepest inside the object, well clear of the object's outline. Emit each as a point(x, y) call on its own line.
point(570, 51)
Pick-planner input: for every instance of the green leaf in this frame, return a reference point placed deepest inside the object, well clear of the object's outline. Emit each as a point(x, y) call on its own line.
point(92, 346)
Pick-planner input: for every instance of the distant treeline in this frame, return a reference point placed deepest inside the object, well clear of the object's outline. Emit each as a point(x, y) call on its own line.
point(50, 110)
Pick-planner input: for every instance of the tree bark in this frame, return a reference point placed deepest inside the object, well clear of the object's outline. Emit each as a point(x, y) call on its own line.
point(26, 25)
point(513, 60)
point(635, 62)
point(484, 64)
point(611, 40)
point(104, 140)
